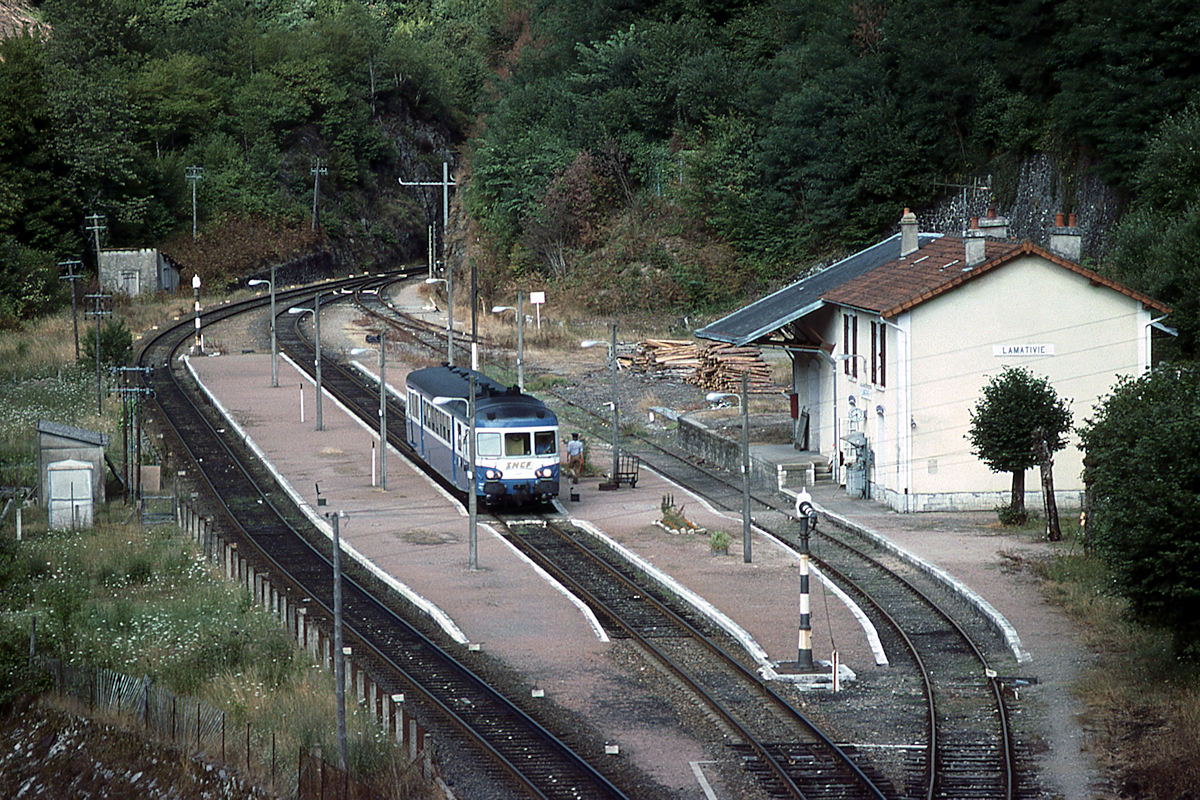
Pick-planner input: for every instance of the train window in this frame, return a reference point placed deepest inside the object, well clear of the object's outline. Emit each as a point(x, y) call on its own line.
point(488, 445)
point(516, 444)
point(544, 443)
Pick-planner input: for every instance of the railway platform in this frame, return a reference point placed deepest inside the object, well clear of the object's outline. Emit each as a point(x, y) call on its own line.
point(415, 535)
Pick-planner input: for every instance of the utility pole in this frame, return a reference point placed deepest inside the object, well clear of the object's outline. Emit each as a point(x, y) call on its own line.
point(445, 183)
point(73, 276)
point(339, 664)
point(317, 171)
point(96, 224)
point(98, 311)
point(192, 175)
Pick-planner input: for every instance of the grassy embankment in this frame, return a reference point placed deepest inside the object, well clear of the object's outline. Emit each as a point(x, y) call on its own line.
point(1143, 702)
point(145, 602)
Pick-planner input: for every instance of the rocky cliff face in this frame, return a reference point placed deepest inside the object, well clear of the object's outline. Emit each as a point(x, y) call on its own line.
point(1030, 193)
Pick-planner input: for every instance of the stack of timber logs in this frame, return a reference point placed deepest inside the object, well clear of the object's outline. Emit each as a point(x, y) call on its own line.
point(667, 358)
point(714, 367)
point(722, 365)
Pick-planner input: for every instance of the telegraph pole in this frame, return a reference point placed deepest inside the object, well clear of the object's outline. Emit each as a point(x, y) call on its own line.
point(73, 276)
point(317, 171)
point(445, 183)
point(192, 175)
point(96, 224)
point(98, 311)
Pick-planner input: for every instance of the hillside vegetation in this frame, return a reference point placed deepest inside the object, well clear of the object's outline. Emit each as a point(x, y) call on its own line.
point(679, 153)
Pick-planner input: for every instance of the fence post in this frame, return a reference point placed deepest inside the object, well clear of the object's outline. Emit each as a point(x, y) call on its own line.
point(396, 718)
point(146, 700)
point(412, 738)
point(427, 756)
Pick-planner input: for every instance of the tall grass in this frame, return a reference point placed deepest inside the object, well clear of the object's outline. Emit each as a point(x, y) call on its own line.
point(1143, 701)
point(146, 602)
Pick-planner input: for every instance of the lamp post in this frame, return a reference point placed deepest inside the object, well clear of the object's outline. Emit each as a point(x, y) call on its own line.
point(339, 664)
point(472, 500)
point(274, 348)
point(520, 312)
point(714, 396)
point(316, 312)
point(449, 312)
point(382, 404)
point(612, 368)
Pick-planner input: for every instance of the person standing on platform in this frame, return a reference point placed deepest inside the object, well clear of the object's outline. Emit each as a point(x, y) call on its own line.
point(575, 457)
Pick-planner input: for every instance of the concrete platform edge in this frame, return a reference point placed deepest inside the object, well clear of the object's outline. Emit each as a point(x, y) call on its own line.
point(994, 617)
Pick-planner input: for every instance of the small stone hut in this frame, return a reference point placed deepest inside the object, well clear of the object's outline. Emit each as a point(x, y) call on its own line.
point(57, 442)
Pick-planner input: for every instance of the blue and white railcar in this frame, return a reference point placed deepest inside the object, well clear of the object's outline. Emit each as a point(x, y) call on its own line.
point(516, 435)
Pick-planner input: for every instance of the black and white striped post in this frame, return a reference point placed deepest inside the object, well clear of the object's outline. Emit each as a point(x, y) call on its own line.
point(198, 346)
point(807, 515)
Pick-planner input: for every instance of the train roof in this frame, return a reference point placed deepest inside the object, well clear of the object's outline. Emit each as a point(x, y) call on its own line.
point(493, 401)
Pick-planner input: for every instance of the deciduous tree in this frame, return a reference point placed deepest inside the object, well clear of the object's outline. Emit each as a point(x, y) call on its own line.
point(1017, 412)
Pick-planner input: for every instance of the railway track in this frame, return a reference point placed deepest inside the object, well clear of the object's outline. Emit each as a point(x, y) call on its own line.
point(789, 754)
point(522, 753)
point(966, 747)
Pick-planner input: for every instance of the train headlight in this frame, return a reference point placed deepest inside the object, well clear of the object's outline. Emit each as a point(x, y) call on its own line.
point(546, 472)
point(493, 474)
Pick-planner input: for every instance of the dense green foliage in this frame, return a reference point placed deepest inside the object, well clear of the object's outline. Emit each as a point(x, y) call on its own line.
point(794, 128)
point(1016, 411)
point(104, 110)
point(688, 149)
point(1143, 470)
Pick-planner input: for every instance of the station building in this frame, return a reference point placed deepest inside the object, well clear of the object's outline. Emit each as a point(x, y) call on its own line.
point(891, 348)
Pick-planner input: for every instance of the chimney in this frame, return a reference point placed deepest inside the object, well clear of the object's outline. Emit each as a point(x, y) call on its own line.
point(908, 233)
point(1066, 240)
point(976, 243)
point(994, 227)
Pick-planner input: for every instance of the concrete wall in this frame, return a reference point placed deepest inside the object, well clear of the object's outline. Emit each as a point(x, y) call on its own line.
point(697, 438)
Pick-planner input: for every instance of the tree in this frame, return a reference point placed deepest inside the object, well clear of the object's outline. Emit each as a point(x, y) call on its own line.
point(116, 344)
point(1017, 413)
point(1143, 476)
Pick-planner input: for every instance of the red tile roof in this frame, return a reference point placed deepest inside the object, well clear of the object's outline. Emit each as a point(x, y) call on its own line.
point(940, 266)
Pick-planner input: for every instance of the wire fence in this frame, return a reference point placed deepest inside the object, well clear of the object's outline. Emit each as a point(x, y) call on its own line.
point(185, 722)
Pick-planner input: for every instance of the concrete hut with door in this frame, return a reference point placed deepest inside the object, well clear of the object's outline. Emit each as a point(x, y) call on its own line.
point(137, 271)
point(67, 457)
point(891, 347)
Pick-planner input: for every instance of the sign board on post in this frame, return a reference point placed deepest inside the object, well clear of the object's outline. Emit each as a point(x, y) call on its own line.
point(538, 298)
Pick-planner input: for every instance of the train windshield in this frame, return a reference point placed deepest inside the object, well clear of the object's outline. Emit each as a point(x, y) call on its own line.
point(517, 443)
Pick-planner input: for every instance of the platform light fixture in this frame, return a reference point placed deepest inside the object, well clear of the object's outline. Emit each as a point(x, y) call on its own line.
point(274, 348)
point(519, 309)
point(612, 368)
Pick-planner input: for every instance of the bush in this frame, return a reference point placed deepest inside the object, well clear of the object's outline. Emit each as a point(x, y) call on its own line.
point(1011, 517)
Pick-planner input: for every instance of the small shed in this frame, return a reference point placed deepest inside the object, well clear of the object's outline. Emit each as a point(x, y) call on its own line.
point(134, 272)
point(70, 494)
point(57, 442)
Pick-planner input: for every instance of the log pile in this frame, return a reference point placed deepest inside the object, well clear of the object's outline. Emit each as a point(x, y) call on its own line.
point(722, 365)
point(667, 358)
